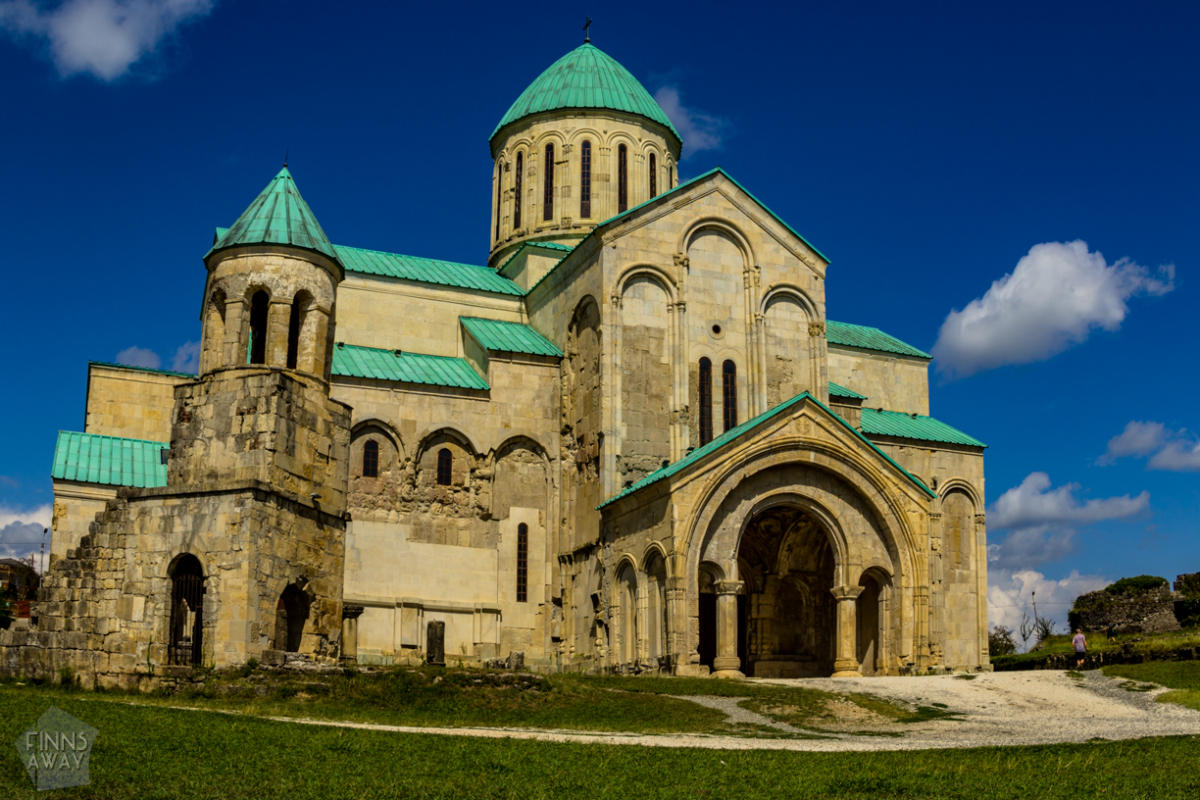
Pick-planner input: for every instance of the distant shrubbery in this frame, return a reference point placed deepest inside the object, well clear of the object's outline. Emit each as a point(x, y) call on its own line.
point(1001, 641)
point(1137, 584)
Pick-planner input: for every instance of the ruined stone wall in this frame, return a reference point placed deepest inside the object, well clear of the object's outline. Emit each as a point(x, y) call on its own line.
point(1135, 611)
point(129, 402)
point(75, 506)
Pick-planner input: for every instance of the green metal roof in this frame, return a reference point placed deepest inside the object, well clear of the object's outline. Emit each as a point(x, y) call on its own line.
point(563, 249)
point(278, 215)
point(586, 77)
point(876, 422)
point(353, 361)
point(509, 337)
point(736, 431)
point(110, 460)
point(864, 337)
point(425, 270)
point(836, 390)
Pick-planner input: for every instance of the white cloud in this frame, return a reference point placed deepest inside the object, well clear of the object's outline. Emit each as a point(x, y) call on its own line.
point(1055, 297)
point(1178, 455)
point(1029, 547)
point(1034, 504)
point(21, 532)
point(699, 130)
point(187, 358)
point(139, 357)
point(1009, 594)
point(102, 37)
point(1174, 451)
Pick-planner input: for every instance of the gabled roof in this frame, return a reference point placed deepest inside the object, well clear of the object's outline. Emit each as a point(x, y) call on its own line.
point(876, 422)
point(509, 337)
point(733, 433)
point(354, 361)
point(586, 77)
point(836, 390)
point(864, 337)
point(561, 252)
point(278, 215)
point(110, 460)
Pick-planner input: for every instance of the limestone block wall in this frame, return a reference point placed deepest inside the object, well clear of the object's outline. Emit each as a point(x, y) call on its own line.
point(891, 382)
point(105, 608)
point(75, 506)
point(262, 424)
point(568, 220)
point(129, 402)
point(419, 318)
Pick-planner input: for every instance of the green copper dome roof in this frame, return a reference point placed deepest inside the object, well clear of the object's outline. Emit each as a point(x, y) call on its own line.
point(586, 77)
point(278, 215)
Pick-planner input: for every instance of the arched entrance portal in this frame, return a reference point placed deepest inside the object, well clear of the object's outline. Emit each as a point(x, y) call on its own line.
point(787, 621)
point(186, 643)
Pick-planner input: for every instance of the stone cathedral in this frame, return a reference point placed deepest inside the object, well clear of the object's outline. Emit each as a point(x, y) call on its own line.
point(631, 441)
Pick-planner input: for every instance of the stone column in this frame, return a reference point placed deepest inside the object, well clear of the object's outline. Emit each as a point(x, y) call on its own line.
point(350, 615)
point(846, 663)
point(279, 315)
point(726, 664)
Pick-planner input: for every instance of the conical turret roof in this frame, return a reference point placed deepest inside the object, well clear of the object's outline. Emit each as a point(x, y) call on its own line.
point(278, 215)
point(586, 77)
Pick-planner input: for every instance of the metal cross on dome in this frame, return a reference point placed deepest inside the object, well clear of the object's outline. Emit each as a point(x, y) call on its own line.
point(587, 37)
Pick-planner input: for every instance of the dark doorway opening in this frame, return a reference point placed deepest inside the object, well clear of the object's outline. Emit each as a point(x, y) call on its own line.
point(291, 612)
point(186, 642)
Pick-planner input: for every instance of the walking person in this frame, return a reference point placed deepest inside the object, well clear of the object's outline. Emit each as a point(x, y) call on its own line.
point(1080, 642)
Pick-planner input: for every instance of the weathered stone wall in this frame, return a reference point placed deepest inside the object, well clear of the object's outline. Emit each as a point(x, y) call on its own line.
point(75, 506)
point(1145, 611)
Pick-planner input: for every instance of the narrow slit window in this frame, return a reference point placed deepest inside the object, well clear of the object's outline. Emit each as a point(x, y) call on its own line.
point(622, 178)
point(499, 195)
point(729, 393)
point(548, 185)
point(585, 179)
point(256, 348)
point(522, 563)
point(371, 459)
point(517, 192)
point(705, 401)
point(653, 175)
point(445, 463)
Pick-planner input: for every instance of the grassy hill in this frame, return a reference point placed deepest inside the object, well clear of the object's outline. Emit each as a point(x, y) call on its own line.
point(1056, 652)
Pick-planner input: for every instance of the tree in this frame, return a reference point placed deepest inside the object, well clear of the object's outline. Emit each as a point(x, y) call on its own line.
point(1001, 642)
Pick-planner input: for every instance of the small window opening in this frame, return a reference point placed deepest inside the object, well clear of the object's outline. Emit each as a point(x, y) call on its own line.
point(257, 347)
point(653, 175)
point(445, 463)
point(370, 466)
point(622, 178)
point(729, 393)
point(705, 401)
point(585, 179)
point(548, 185)
point(517, 191)
point(522, 563)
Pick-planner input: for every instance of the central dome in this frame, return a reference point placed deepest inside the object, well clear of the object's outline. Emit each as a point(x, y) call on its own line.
point(586, 77)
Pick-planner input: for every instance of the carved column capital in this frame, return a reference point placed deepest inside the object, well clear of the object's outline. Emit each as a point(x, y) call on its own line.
point(615, 299)
point(816, 329)
point(729, 587)
point(845, 593)
point(351, 611)
point(681, 260)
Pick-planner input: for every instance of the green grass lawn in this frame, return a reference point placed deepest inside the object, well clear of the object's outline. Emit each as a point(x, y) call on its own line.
point(1181, 676)
point(467, 697)
point(147, 753)
point(1146, 645)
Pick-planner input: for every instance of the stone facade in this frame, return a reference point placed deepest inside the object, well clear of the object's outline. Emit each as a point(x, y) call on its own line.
point(649, 474)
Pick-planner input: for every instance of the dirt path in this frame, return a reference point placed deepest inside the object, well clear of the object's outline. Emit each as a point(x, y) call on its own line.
point(1007, 708)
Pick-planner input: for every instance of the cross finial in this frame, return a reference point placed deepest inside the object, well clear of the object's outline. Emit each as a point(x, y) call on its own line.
point(286, 153)
point(587, 37)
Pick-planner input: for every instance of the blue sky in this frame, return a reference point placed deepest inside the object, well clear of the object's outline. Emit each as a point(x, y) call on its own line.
point(930, 151)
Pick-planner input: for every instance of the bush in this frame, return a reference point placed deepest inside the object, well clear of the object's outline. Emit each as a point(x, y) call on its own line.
point(1001, 642)
point(1137, 584)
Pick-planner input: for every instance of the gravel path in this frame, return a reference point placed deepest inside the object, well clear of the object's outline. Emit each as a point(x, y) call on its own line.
point(1006, 708)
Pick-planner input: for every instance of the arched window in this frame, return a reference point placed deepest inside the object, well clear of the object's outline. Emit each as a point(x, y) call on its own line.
point(548, 185)
point(499, 183)
point(729, 393)
point(585, 179)
point(186, 644)
point(517, 191)
point(622, 178)
point(653, 175)
point(300, 305)
point(705, 401)
point(214, 332)
point(445, 463)
point(522, 563)
point(371, 459)
point(256, 348)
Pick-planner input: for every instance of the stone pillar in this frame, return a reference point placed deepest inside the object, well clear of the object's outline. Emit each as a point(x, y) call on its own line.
point(846, 664)
point(279, 315)
point(350, 615)
point(727, 664)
